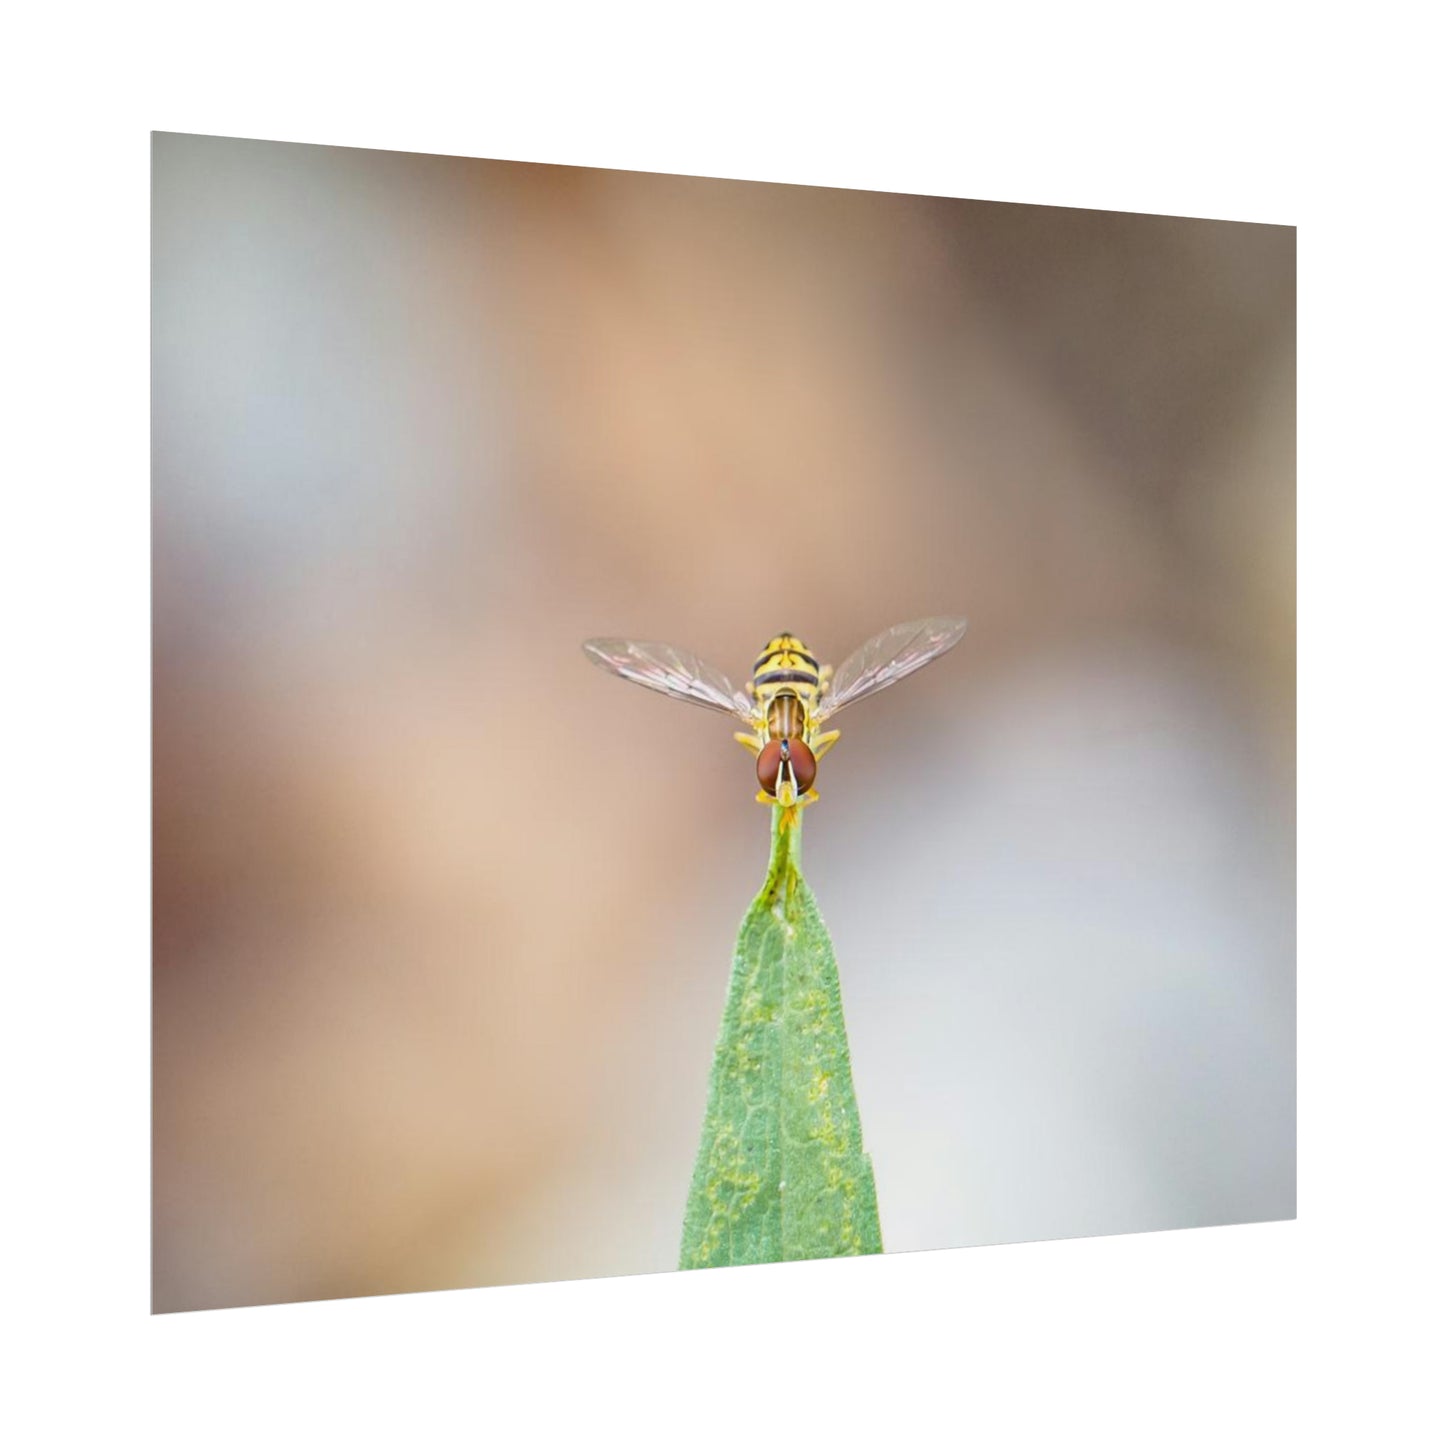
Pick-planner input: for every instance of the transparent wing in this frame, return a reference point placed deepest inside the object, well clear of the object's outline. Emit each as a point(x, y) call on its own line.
point(882, 660)
point(670, 670)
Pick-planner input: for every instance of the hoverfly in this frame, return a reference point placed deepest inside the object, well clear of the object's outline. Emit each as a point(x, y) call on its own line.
point(789, 697)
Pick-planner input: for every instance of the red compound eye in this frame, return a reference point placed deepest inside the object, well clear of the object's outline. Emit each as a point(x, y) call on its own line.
point(770, 763)
point(805, 765)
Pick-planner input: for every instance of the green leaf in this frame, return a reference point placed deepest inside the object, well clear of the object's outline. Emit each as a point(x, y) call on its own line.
point(781, 1172)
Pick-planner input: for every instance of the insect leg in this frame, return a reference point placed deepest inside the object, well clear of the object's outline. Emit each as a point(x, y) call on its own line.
point(824, 741)
point(750, 741)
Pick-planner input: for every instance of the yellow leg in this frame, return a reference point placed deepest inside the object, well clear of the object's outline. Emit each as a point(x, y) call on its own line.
point(751, 742)
point(811, 796)
point(824, 741)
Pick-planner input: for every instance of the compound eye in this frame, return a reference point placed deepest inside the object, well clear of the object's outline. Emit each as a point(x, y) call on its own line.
point(770, 764)
point(805, 765)
point(770, 760)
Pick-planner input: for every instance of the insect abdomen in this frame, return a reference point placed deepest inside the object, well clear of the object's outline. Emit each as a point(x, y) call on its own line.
point(786, 662)
point(786, 653)
point(786, 683)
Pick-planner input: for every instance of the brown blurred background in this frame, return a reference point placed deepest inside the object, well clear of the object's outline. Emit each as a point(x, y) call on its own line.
point(443, 916)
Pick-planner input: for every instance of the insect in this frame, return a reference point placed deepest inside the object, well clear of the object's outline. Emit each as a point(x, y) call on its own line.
point(790, 695)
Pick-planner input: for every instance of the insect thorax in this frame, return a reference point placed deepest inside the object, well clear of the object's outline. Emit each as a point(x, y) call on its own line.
point(786, 714)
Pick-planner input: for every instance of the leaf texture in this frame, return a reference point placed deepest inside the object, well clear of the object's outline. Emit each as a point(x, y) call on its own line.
point(781, 1172)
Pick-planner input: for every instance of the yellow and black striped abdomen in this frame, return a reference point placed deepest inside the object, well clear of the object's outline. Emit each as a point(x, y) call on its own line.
point(786, 662)
point(784, 675)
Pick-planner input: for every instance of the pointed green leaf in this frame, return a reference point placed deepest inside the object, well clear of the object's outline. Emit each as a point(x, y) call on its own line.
point(781, 1172)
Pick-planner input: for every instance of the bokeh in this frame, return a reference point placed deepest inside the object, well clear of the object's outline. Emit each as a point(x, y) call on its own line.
point(444, 915)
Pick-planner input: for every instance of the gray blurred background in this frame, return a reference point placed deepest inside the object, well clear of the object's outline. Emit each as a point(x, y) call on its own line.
point(443, 915)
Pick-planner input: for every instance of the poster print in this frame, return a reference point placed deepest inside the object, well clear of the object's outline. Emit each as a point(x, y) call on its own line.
point(473, 966)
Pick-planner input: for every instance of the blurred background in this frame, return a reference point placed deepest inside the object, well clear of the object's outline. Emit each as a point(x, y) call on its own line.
point(444, 915)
